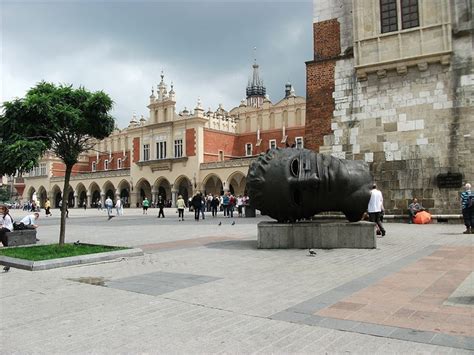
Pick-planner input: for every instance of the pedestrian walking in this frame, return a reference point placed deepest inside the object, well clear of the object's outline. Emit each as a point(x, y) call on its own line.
point(161, 205)
point(214, 205)
point(145, 205)
point(108, 205)
point(467, 206)
point(119, 206)
point(203, 206)
point(196, 202)
point(47, 208)
point(181, 205)
point(225, 204)
point(376, 208)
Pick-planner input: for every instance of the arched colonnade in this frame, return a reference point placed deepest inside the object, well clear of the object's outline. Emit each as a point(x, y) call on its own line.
point(91, 192)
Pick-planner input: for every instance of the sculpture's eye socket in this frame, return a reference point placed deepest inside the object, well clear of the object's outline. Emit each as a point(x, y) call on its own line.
point(295, 167)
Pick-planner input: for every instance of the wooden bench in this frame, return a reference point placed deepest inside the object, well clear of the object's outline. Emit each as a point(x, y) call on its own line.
point(22, 237)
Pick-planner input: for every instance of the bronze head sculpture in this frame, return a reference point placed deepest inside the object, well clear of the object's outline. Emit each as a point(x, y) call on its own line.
point(292, 184)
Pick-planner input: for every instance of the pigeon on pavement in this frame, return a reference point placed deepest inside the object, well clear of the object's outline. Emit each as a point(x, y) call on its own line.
point(233, 222)
point(220, 223)
point(311, 252)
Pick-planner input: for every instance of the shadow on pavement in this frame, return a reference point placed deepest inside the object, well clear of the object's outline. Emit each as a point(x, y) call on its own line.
point(233, 244)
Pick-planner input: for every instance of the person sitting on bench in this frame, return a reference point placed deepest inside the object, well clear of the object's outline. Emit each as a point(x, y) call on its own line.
point(30, 221)
point(6, 224)
point(413, 209)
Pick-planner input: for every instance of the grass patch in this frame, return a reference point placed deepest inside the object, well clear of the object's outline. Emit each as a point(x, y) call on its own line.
point(55, 251)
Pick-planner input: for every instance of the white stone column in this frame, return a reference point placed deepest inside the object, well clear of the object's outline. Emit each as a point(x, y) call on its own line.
point(174, 197)
point(75, 201)
point(133, 199)
point(88, 200)
point(102, 198)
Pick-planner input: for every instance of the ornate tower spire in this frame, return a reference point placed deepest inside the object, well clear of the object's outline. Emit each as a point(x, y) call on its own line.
point(255, 89)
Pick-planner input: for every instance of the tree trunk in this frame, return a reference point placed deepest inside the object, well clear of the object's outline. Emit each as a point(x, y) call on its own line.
point(62, 230)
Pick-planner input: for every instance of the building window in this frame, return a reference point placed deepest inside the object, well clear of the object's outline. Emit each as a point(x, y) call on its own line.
point(221, 155)
point(388, 15)
point(43, 169)
point(119, 163)
point(392, 10)
point(178, 148)
point(161, 150)
point(272, 143)
point(248, 149)
point(106, 164)
point(146, 152)
point(409, 14)
point(299, 142)
point(94, 166)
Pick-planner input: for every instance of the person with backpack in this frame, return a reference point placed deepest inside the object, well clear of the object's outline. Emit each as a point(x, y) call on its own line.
point(467, 206)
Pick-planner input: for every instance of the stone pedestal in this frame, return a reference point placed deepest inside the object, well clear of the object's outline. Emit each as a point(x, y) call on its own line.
point(21, 237)
point(316, 234)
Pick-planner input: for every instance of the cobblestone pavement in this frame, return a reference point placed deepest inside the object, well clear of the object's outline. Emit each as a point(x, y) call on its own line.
point(202, 287)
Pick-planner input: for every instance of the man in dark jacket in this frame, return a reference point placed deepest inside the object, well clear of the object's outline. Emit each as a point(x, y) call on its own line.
point(197, 204)
point(161, 205)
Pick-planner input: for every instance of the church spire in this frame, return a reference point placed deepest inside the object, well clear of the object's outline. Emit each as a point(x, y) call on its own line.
point(255, 89)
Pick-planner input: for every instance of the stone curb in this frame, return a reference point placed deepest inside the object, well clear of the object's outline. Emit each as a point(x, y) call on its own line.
point(69, 261)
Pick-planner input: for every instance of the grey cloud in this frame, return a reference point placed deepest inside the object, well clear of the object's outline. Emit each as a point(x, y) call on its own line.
point(204, 47)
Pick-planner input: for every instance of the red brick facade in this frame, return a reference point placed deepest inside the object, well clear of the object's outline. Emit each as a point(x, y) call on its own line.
point(59, 169)
point(233, 145)
point(190, 142)
point(136, 149)
point(320, 82)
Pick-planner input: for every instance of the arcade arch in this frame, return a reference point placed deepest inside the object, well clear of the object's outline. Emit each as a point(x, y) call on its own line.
point(41, 195)
point(237, 183)
point(143, 190)
point(81, 195)
point(212, 184)
point(31, 192)
point(184, 187)
point(70, 198)
point(56, 196)
point(163, 188)
point(109, 190)
point(124, 190)
point(94, 191)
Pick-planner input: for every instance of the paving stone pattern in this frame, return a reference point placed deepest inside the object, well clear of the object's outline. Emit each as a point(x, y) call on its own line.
point(50, 312)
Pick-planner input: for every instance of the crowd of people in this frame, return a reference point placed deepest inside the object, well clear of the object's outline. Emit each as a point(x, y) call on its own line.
point(226, 203)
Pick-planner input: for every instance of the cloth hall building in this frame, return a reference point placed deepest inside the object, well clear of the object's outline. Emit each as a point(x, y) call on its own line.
point(174, 153)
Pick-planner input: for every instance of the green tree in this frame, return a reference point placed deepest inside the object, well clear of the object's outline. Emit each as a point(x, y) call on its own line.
point(4, 193)
point(60, 118)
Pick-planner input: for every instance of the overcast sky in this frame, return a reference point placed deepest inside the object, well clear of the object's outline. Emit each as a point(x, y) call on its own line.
point(120, 47)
